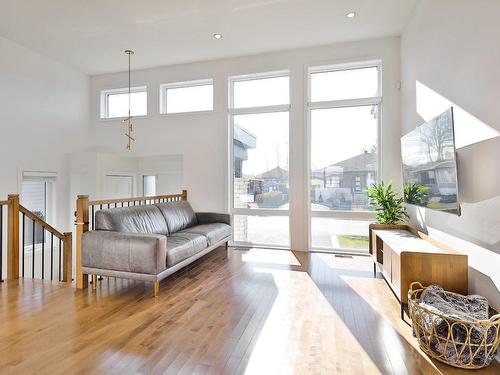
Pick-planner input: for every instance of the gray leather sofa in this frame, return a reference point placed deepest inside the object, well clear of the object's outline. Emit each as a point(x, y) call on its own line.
point(151, 242)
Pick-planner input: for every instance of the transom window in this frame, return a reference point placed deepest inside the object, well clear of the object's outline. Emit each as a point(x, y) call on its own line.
point(258, 91)
point(342, 84)
point(115, 102)
point(192, 96)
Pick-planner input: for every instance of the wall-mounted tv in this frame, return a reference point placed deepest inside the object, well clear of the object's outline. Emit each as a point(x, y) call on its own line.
point(429, 162)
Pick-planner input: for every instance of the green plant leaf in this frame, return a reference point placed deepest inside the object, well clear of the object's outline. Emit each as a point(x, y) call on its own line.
point(389, 207)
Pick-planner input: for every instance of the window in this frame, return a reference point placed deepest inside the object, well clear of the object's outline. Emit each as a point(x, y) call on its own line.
point(149, 186)
point(37, 195)
point(259, 118)
point(193, 96)
point(259, 92)
point(347, 234)
point(262, 230)
point(344, 84)
point(115, 102)
point(344, 105)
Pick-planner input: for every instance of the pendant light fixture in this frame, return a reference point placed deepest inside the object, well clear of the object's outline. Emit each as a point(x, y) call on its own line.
point(128, 120)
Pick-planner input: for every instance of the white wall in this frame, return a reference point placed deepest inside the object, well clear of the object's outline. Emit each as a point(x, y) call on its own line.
point(88, 170)
point(450, 54)
point(202, 139)
point(44, 115)
point(168, 169)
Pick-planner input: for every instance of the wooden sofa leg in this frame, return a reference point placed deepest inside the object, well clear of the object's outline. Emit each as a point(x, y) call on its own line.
point(156, 288)
point(94, 282)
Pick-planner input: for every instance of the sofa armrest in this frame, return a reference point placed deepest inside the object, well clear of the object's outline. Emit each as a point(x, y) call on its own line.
point(213, 217)
point(128, 252)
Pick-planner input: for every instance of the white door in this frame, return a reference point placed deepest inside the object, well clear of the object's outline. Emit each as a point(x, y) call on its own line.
point(116, 186)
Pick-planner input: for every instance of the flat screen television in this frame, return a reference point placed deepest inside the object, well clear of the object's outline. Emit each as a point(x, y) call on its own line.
point(429, 160)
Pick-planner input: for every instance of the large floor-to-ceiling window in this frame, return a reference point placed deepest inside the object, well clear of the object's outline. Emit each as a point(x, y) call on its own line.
point(343, 123)
point(259, 127)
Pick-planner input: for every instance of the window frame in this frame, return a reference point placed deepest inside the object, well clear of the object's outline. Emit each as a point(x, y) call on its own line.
point(250, 111)
point(104, 101)
point(164, 87)
point(332, 104)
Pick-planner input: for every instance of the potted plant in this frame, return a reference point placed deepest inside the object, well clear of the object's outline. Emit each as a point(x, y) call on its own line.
point(388, 205)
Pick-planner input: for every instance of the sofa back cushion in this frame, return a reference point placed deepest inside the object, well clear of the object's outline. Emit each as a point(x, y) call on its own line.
point(178, 215)
point(139, 219)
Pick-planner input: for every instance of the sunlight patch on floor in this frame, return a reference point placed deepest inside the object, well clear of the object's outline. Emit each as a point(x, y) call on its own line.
point(301, 332)
point(283, 257)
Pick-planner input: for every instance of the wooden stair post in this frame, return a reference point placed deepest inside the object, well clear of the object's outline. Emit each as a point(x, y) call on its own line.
point(82, 226)
point(68, 257)
point(184, 195)
point(13, 237)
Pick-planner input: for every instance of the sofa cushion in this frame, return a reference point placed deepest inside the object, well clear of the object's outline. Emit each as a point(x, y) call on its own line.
point(125, 252)
point(178, 215)
point(214, 232)
point(181, 246)
point(140, 219)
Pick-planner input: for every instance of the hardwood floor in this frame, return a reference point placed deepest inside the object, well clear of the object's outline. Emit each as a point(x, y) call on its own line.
point(252, 312)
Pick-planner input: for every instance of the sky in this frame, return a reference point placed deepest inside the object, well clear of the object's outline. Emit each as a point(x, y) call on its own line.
point(336, 134)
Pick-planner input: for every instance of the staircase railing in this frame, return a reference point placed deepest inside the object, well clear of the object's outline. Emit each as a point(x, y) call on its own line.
point(34, 248)
point(85, 220)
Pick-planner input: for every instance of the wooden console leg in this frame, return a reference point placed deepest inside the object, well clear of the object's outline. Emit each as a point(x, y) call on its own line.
point(156, 288)
point(94, 282)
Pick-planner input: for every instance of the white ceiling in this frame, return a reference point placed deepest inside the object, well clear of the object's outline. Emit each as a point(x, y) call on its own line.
point(91, 35)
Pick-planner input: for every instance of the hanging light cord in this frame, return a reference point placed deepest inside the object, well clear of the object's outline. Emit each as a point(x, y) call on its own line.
point(128, 120)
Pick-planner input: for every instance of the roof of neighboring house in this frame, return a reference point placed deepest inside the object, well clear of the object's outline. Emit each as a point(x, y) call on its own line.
point(441, 164)
point(243, 140)
point(277, 173)
point(366, 161)
point(244, 137)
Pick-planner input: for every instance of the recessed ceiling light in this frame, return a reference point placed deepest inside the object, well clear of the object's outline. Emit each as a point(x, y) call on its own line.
point(351, 15)
point(218, 36)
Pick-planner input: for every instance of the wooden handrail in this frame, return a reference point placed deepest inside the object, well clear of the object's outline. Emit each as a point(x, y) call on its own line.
point(14, 235)
point(42, 223)
point(82, 215)
point(135, 199)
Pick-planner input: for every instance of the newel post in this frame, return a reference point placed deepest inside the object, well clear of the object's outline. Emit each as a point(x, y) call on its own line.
point(13, 237)
point(184, 195)
point(82, 226)
point(68, 257)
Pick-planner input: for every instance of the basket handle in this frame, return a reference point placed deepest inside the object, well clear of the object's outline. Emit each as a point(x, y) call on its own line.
point(494, 318)
point(417, 284)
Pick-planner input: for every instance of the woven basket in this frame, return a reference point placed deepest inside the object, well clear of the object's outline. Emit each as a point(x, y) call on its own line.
point(452, 341)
